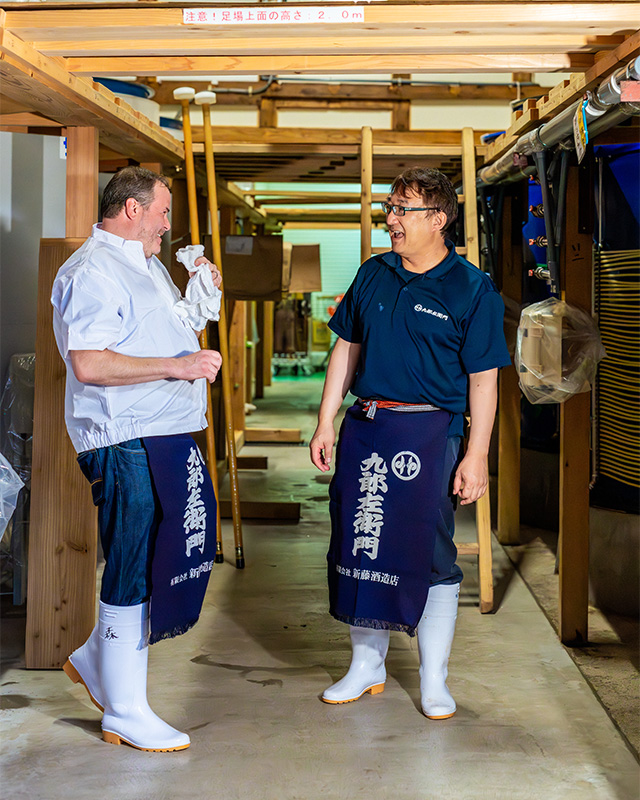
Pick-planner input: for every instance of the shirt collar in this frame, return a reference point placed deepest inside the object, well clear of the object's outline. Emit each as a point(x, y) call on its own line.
point(438, 272)
point(135, 248)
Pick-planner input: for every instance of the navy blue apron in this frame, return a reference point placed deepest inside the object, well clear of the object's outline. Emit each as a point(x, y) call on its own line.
point(186, 541)
point(384, 502)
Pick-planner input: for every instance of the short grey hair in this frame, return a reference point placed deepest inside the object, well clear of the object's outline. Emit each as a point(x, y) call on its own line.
point(136, 182)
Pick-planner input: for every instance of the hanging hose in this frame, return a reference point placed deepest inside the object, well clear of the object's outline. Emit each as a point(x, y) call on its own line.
point(540, 159)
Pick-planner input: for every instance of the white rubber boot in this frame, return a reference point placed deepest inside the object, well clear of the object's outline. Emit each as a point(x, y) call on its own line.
point(367, 672)
point(124, 652)
point(435, 635)
point(83, 666)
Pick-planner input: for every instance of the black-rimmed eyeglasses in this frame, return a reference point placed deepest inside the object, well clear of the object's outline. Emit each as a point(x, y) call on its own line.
point(400, 211)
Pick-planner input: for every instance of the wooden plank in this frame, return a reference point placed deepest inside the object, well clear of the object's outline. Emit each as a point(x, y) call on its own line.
point(375, 43)
point(63, 527)
point(45, 86)
point(269, 312)
point(509, 394)
point(469, 189)
point(82, 181)
point(272, 435)
point(265, 198)
point(366, 177)
point(401, 116)
point(467, 548)
point(268, 113)
point(442, 18)
point(28, 120)
point(238, 357)
point(119, 66)
point(575, 428)
point(573, 544)
point(253, 462)
point(485, 556)
point(263, 509)
point(259, 349)
point(295, 214)
point(307, 137)
point(288, 91)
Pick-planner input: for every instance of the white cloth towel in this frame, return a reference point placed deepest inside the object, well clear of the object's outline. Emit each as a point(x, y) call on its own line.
point(202, 298)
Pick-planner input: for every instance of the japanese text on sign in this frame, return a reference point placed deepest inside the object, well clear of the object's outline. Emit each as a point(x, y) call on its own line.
point(369, 517)
point(271, 16)
point(195, 515)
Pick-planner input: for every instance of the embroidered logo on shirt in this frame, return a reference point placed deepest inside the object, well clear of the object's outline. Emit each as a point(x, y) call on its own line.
point(406, 465)
point(433, 313)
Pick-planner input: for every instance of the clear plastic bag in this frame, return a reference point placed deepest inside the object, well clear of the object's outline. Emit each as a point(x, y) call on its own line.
point(557, 351)
point(10, 485)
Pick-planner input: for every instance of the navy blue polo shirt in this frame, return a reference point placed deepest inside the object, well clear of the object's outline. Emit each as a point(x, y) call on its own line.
point(422, 334)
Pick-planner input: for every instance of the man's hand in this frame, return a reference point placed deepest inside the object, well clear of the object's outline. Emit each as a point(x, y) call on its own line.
point(201, 364)
point(215, 273)
point(321, 446)
point(470, 481)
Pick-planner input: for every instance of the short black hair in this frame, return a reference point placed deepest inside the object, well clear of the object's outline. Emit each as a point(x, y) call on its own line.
point(136, 182)
point(433, 186)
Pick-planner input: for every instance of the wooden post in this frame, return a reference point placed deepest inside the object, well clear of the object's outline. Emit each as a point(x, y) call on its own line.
point(194, 227)
point(575, 423)
point(366, 177)
point(235, 315)
point(250, 352)
point(508, 388)
point(483, 505)
point(203, 99)
point(267, 113)
point(82, 181)
point(63, 528)
point(267, 332)
point(469, 190)
point(260, 351)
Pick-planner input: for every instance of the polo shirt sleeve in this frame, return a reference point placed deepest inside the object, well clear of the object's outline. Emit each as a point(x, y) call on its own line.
point(91, 315)
point(345, 322)
point(484, 345)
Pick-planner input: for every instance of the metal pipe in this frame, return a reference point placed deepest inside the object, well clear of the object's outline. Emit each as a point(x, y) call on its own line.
point(561, 196)
point(560, 127)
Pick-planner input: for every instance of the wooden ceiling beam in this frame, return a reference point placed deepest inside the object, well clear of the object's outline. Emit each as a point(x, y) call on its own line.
point(380, 43)
point(441, 18)
point(239, 135)
point(330, 64)
point(287, 94)
point(44, 85)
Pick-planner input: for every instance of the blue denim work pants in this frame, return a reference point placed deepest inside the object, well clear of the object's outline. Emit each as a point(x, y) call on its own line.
point(444, 568)
point(128, 518)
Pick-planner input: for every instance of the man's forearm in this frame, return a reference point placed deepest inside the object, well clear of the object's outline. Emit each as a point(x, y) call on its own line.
point(483, 398)
point(107, 368)
point(340, 373)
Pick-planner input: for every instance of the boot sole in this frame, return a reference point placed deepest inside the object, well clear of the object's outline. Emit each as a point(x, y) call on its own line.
point(377, 689)
point(442, 716)
point(115, 738)
point(76, 677)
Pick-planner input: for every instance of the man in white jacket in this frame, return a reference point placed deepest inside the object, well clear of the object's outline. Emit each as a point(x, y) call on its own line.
point(134, 370)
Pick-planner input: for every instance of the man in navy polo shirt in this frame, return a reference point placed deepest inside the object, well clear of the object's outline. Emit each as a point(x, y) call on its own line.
point(420, 341)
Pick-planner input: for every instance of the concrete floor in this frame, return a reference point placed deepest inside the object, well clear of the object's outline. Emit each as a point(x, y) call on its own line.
point(246, 682)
